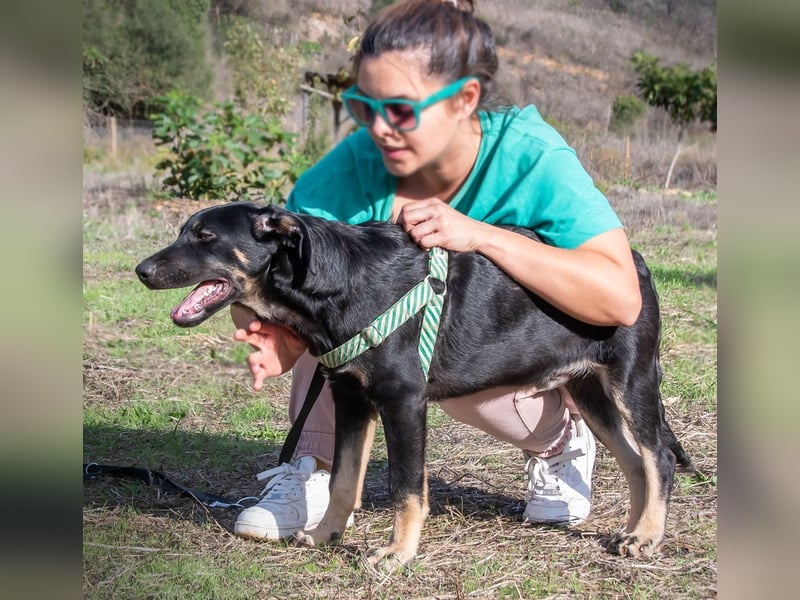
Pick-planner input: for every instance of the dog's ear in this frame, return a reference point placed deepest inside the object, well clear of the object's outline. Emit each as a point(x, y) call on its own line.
point(273, 223)
point(289, 230)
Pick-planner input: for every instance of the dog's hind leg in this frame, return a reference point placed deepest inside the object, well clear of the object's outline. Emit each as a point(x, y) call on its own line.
point(660, 451)
point(405, 431)
point(635, 441)
point(604, 418)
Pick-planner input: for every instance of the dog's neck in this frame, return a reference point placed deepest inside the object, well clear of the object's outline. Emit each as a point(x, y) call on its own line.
point(344, 274)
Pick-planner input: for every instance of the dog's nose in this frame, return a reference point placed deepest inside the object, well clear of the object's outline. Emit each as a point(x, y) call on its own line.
point(145, 269)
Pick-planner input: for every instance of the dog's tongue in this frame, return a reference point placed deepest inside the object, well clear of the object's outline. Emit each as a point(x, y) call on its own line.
point(194, 305)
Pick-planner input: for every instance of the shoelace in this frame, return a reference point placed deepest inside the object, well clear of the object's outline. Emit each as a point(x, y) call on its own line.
point(545, 473)
point(285, 481)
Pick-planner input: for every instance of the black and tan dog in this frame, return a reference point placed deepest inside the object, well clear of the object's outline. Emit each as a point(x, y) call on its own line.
point(328, 280)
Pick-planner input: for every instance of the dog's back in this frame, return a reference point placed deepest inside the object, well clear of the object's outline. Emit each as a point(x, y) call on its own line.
point(328, 280)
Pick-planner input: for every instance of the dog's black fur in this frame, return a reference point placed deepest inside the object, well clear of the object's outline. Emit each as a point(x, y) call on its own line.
point(328, 280)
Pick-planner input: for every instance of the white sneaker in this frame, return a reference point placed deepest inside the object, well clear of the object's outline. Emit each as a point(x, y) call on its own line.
point(295, 498)
point(560, 486)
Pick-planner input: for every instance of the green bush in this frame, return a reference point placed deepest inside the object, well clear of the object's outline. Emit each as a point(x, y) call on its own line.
point(625, 114)
point(137, 50)
point(257, 69)
point(224, 153)
point(685, 94)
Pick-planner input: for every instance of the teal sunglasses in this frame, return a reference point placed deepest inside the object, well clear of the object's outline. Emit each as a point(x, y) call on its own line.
point(401, 115)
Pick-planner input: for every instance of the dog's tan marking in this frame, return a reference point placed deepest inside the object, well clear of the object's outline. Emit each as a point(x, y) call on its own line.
point(241, 257)
point(645, 535)
point(409, 517)
point(347, 484)
point(366, 450)
point(286, 224)
point(559, 378)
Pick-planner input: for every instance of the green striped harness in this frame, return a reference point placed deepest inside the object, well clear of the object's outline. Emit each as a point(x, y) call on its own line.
point(420, 296)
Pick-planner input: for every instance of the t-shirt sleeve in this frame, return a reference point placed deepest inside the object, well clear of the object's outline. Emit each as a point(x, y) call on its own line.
point(570, 208)
point(527, 175)
point(348, 184)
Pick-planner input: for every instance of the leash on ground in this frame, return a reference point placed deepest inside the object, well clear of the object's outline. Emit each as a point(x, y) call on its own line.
point(165, 484)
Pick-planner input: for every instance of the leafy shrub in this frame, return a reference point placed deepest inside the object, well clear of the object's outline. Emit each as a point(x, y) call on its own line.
point(625, 113)
point(137, 50)
point(224, 153)
point(262, 75)
point(685, 94)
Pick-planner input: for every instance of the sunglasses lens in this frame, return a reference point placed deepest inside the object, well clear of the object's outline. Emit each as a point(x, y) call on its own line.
point(401, 115)
point(361, 112)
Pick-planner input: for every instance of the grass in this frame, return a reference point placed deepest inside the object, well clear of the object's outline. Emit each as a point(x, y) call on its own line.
point(179, 401)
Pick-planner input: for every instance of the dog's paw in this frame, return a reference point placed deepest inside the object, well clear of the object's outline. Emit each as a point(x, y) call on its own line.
point(633, 545)
point(301, 538)
point(314, 538)
point(388, 559)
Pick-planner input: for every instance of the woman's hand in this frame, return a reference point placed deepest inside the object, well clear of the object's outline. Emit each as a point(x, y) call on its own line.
point(433, 223)
point(277, 348)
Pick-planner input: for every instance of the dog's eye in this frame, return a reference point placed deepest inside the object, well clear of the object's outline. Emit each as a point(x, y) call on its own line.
point(204, 235)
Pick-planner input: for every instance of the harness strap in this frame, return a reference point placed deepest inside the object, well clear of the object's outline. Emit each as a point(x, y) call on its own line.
point(422, 295)
point(437, 269)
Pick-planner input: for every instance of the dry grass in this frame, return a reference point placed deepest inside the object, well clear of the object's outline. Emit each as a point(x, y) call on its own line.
point(142, 544)
point(181, 403)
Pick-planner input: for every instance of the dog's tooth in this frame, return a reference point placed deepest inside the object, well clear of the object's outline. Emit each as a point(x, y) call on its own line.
point(212, 289)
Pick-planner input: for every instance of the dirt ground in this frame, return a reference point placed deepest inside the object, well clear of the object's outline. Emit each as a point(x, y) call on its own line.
point(474, 543)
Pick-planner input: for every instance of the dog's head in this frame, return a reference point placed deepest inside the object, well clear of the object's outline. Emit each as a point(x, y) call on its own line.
point(225, 251)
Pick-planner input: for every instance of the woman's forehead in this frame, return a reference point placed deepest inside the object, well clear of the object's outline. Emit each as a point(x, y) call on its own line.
point(401, 74)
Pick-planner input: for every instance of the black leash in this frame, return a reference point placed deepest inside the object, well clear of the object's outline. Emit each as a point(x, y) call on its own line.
point(290, 443)
point(165, 484)
point(162, 482)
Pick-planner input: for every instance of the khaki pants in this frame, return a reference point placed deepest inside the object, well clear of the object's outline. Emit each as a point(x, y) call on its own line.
point(535, 422)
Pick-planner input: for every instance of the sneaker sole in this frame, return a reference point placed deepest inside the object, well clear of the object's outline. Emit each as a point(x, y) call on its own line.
point(250, 531)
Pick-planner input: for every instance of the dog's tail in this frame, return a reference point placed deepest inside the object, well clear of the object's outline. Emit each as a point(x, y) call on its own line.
point(682, 460)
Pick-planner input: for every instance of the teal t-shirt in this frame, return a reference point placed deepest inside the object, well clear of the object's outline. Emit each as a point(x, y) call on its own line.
point(525, 175)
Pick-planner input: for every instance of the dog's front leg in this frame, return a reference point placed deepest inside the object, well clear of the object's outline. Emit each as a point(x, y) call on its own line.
point(404, 425)
point(355, 430)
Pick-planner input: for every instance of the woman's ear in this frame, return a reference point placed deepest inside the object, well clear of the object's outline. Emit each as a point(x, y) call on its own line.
point(470, 96)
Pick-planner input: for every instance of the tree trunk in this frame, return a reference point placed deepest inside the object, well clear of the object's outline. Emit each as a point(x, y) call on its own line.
point(672, 166)
point(678, 150)
point(627, 157)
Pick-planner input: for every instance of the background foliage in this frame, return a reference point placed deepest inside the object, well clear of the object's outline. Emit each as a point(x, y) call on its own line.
point(137, 50)
point(684, 93)
point(225, 152)
point(571, 59)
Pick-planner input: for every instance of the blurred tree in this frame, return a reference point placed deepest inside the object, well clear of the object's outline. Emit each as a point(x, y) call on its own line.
point(136, 50)
point(625, 115)
point(685, 94)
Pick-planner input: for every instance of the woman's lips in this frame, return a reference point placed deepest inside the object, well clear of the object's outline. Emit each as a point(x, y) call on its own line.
point(392, 153)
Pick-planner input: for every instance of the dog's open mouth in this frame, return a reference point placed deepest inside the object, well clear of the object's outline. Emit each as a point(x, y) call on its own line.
point(202, 302)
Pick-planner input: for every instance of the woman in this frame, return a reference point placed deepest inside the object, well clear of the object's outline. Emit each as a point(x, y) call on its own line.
point(432, 156)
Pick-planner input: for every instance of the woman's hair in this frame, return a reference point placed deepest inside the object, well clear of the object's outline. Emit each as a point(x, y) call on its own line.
point(447, 33)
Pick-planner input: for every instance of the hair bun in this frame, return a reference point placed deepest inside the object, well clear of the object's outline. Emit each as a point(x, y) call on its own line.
point(465, 5)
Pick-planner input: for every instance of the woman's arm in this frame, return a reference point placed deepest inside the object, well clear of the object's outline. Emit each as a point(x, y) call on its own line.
point(596, 282)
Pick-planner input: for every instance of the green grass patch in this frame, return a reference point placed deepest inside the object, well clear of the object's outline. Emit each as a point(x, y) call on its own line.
point(179, 401)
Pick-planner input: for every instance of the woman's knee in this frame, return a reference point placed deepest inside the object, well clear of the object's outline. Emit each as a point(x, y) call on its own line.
point(528, 419)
